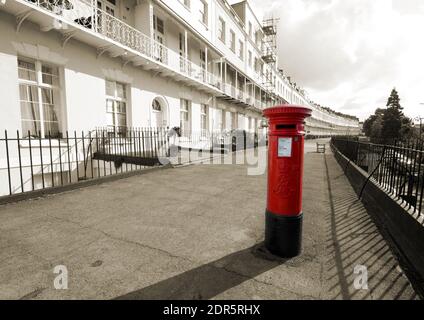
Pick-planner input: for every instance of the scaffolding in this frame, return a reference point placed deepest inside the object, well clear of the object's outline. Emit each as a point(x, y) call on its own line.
point(269, 49)
point(269, 28)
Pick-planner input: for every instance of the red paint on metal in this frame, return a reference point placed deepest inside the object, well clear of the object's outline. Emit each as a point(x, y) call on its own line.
point(285, 158)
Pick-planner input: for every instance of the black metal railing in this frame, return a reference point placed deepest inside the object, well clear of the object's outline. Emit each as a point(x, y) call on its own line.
point(397, 168)
point(33, 163)
point(29, 163)
point(417, 143)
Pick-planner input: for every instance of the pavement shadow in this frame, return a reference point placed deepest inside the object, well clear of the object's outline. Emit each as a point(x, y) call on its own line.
point(209, 280)
point(354, 239)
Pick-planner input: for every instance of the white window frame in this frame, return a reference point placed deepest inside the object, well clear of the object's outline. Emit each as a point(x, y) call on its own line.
point(159, 38)
point(204, 12)
point(241, 50)
point(232, 40)
point(40, 85)
point(250, 61)
point(221, 29)
point(186, 3)
point(116, 99)
point(185, 108)
point(204, 118)
point(256, 67)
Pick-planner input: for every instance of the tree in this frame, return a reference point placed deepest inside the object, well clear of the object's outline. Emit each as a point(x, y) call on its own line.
point(395, 124)
point(389, 123)
point(407, 128)
point(376, 128)
point(372, 126)
point(392, 122)
point(368, 125)
point(394, 100)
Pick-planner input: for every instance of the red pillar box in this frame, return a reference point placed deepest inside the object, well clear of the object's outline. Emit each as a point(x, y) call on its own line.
point(283, 225)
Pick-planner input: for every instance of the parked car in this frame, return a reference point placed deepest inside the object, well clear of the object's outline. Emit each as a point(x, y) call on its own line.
point(236, 139)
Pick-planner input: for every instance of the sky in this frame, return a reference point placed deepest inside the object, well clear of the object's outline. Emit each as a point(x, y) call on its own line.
point(350, 54)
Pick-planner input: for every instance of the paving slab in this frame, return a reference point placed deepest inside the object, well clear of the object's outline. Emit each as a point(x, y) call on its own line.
point(194, 232)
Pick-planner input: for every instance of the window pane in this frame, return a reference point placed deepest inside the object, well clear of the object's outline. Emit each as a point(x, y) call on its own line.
point(156, 106)
point(32, 126)
point(204, 123)
point(50, 112)
point(120, 90)
point(204, 109)
point(110, 88)
point(160, 25)
point(23, 92)
point(50, 75)
point(26, 70)
point(109, 105)
point(121, 107)
point(110, 119)
point(51, 129)
point(122, 120)
point(184, 105)
point(29, 102)
point(47, 96)
point(30, 111)
point(28, 93)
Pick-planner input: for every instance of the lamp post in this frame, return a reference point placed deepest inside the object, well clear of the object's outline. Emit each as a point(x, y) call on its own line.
point(421, 122)
point(420, 119)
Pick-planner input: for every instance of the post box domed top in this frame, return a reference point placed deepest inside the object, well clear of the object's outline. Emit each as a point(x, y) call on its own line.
point(287, 111)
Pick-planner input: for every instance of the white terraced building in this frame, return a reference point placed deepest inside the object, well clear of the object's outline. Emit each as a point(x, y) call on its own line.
point(77, 65)
point(193, 64)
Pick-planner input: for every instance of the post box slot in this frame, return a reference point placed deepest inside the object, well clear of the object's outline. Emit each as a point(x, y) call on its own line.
point(285, 126)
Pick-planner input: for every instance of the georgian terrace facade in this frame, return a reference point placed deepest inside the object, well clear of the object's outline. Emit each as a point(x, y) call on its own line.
point(77, 64)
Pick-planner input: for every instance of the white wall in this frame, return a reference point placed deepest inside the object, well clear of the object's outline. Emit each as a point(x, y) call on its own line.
point(83, 82)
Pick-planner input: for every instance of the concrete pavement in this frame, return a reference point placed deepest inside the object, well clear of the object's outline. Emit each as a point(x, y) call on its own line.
point(194, 232)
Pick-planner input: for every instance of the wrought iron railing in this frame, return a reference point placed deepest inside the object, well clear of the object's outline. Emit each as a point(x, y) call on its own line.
point(236, 93)
point(259, 104)
point(397, 168)
point(34, 163)
point(88, 15)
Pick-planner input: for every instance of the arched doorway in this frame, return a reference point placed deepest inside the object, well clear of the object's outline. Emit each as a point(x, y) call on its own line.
point(159, 112)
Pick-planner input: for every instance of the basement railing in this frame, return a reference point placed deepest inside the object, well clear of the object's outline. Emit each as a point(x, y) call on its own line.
point(29, 163)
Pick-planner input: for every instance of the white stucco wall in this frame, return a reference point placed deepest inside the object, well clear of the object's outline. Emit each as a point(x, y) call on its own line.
point(83, 76)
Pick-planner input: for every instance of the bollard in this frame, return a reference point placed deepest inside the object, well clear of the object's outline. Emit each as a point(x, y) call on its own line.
point(284, 216)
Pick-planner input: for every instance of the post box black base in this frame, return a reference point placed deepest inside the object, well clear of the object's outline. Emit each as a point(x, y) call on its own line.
point(283, 235)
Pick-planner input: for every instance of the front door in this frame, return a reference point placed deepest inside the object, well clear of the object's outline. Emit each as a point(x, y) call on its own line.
point(157, 119)
point(157, 114)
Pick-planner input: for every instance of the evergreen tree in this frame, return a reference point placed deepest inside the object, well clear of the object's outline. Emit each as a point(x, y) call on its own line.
point(390, 123)
point(394, 100)
point(393, 118)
